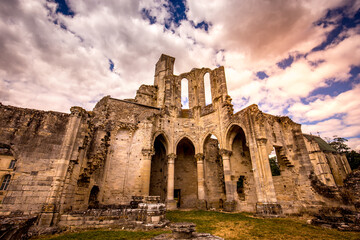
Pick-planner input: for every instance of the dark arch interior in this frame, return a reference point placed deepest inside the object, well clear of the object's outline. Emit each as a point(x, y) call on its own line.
point(158, 177)
point(240, 162)
point(93, 198)
point(185, 186)
point(5, 150)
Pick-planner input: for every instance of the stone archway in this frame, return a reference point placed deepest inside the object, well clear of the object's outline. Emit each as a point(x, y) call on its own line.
point(241, 166)
point(185, 182)
point(158, 175)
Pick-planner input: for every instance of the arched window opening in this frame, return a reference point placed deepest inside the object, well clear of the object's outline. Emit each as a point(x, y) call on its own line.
point(274, 163)
point(184, 93)
point(12, 164)
point(208, 99)
point(5, 182)
point(240, 187)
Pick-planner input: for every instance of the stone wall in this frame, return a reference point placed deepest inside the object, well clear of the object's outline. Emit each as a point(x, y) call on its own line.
point(36, 138)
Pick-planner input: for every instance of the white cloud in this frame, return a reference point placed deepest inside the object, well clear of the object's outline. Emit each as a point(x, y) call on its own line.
point(47, 67)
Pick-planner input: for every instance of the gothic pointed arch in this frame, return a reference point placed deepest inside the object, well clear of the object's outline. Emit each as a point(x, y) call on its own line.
point(185, 181)
point(158, 171)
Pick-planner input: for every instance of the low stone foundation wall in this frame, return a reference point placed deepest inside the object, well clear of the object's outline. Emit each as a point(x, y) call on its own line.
point(147, 215)
point(268, 209)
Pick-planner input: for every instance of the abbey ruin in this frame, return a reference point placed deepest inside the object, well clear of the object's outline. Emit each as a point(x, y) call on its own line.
point(204, 157)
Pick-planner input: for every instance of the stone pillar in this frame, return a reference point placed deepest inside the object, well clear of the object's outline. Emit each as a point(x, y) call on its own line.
point(146, 170)
point(50, 210)
point(200, 180)
point(229, 205)
point(170, 202)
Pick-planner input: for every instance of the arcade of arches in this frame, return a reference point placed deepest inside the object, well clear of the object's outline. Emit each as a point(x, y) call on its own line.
point(205, 156)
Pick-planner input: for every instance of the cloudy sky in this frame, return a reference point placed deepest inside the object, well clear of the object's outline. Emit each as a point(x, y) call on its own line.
point(295, 58)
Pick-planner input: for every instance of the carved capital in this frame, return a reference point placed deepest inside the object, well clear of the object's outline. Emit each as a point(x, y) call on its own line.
point(262, 140)
point(171, 158)
point(225, 153)
point(147, 152)
point(199, 157)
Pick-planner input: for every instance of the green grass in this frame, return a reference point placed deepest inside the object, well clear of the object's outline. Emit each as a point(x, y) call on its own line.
point(244, 226)
point(107, 235)
point(229, 226)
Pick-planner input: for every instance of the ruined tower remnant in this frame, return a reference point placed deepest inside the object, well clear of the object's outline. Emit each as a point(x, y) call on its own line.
point(203, 157)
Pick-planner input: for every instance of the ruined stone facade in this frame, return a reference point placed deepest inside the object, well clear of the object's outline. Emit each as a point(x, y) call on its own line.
point(202, 157)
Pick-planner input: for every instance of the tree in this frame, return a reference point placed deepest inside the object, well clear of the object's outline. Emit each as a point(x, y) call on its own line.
point(338, 143)
point(353, 159)
point(274, 166)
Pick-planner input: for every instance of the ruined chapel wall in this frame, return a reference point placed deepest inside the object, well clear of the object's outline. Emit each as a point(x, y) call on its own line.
point(130, 128)
point(264, 132)
point(320, 163)
point(292, 187)
point(146, 95)
point(36, 138)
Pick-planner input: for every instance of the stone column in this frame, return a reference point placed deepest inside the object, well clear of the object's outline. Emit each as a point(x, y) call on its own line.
point(229, 204)
point(200, 181)
point(171, 204)
point(146, 170)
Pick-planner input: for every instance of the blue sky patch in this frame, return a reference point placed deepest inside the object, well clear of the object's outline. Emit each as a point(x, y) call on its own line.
point(202, 25)
point(63, 8)
point(285, 62)
point(333, 89)
point(336, 87)
point(344, 22)
point(111, 65)
point(145, 13)
point(262, 75)
point(177, 9)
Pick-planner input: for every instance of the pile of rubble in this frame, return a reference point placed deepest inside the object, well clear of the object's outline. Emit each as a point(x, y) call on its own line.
point(339, 218)
point(185, 230)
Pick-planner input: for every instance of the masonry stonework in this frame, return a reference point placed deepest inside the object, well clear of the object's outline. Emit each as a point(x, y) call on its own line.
point(204, 157)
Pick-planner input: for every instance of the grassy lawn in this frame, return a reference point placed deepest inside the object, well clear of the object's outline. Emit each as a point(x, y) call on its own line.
point(107, 234)
point(244, 226)
point(229, 226)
